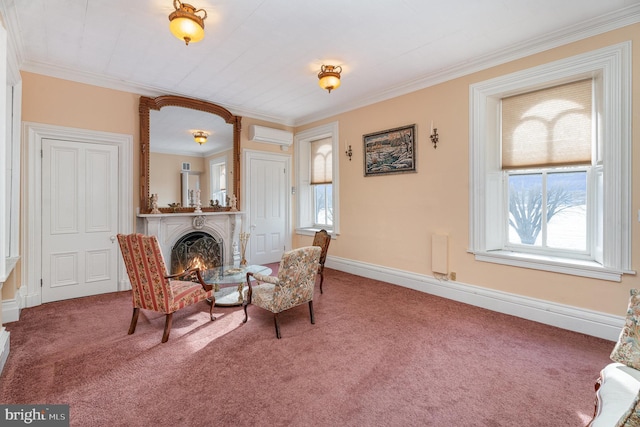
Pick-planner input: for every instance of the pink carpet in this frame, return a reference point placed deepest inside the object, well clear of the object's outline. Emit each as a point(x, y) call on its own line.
point(378, 355)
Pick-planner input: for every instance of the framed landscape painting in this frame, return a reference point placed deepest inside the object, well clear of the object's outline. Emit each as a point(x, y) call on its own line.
point(390, 151)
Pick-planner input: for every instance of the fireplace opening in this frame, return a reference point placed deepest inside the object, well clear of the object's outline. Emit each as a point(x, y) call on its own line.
point(196, 249)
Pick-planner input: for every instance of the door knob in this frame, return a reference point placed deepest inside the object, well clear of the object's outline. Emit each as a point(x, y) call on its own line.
point(113, 239)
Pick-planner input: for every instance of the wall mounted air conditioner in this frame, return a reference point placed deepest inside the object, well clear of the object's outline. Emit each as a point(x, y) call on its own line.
point(283, 138)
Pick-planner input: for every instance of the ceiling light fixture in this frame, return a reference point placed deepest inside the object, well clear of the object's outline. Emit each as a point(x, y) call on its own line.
point(185, 24)
point(200, 137)
point(329, 77)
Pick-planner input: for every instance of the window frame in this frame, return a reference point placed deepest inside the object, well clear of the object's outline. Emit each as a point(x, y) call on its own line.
point(612, 67)
point(305, 216)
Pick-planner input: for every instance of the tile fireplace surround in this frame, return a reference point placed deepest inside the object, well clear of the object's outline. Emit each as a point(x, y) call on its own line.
point(172, 226)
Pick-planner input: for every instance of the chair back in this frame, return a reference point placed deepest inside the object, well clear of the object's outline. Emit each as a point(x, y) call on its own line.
point(322, 239)
point(146, 269)
point(296, 277)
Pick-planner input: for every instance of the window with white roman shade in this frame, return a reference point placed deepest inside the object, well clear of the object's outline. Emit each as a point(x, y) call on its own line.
point(321, 162)
point(548, 127)
point(550, 149)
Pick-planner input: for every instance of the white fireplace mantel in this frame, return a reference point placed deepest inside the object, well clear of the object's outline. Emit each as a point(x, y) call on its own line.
point(169, 227)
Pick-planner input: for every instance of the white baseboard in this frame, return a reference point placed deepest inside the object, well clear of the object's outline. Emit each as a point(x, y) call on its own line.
point(11, 307)
point(601, 325)
point(4, 347)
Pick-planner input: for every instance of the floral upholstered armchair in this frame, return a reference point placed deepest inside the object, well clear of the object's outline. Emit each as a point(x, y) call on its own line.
point(293, 286)
point(322, 239)
point(152, 289)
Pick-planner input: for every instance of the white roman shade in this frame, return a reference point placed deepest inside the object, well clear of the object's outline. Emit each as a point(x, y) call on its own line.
point(321, 161)
point(548, 127)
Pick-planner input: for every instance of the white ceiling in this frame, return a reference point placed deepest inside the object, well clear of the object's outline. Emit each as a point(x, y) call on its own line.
point(260, 58)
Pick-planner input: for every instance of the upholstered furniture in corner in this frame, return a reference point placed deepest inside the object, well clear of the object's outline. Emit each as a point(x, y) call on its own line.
point(618, 387)
point(152, 288)
point(322, 239)
point(293, 286)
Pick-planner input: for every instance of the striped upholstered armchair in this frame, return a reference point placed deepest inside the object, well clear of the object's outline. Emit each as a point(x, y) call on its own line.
point(293, 286)
point(152, 288)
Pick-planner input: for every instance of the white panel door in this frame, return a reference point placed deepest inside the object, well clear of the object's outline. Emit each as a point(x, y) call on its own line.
point(79, 219)
point(268, 209)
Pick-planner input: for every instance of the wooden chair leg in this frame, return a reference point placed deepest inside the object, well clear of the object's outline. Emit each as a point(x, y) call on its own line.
point(313, 320)
point(321, 280)
point(134, 320)
point(167, 327)
point(245, 311)
point(213, 303)
point(275, 320)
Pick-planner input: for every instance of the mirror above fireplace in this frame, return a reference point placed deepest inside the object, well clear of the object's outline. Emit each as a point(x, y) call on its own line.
point(167, 124)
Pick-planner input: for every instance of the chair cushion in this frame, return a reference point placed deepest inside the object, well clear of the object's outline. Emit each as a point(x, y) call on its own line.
point(627, 349)
point(186, 293)
point(262, 296)
point(617, 396)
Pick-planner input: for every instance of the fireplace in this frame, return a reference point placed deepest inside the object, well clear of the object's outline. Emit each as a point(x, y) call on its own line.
point(222, 228)
point(197, 249)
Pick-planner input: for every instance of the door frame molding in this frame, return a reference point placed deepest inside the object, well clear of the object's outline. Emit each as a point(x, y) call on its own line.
point(33, 134)
point(250, 155)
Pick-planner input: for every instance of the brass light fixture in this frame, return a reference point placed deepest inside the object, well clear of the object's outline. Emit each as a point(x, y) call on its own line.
point(200, 137)
point(329, 76)
point(185, 24)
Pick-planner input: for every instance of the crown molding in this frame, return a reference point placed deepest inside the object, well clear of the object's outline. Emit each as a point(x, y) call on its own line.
point(593, 27)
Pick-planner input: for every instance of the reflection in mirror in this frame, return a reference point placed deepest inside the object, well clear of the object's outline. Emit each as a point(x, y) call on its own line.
point(177, 166)
point(190, 184)
point(175, 156)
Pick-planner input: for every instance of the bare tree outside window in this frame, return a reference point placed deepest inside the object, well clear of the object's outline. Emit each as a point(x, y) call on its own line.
point(565, 197)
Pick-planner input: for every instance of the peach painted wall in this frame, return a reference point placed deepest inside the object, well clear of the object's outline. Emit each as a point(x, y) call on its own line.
point(389, 220)
point(60, 102)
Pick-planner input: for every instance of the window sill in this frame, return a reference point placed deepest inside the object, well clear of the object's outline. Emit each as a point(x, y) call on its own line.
point(311, 231)
point(570, 266)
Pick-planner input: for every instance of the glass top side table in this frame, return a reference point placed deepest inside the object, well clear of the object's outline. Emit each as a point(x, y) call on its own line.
point(222, 278)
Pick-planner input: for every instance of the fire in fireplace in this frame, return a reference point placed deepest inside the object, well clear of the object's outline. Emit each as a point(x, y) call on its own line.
point(197, 249)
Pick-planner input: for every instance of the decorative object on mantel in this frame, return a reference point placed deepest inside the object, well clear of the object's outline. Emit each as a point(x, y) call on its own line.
point(198, 204)
point(434, 136)
point(390, 151)
point(154, 204)
point(329, 76)
point(175, 206)
point(185, 24)
point(244, 238)
point(234, 201)
point(349, 152)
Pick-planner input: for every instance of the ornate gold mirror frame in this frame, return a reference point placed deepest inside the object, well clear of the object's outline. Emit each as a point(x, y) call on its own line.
point(146, 105)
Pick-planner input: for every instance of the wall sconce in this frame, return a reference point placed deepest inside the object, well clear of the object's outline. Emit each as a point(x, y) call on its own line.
point(329, 77)
point(185, 24)
point(200, 137)
point(434, 136)
point(349, 152)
